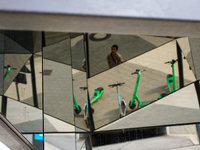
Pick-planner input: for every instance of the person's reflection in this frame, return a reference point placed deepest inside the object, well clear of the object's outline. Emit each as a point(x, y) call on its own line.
point(114, 58)
point(84, 64)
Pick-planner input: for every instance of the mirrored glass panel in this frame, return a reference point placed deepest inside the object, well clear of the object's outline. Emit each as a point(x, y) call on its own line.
point(60, 141)
point(2, 41)
point(1, 73)
point(180, 107)
point(26, 85)
point(16, 84)
point(139, 78)
point(24, 117)
point(57, 88)
point(80, 140)
point(57, 47)
point(179, 137)
point(18, 42)
point(0, 101)
point(79, 81)
point(194, 45)
point(188, 65)
point(35, 139)
point(129, 46)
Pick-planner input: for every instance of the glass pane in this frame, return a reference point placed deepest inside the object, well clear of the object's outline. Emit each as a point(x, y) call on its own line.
point(57, 80)
point(2, 41)
point(22, 86)
point(194, 45)
point(172, 137)
point(0, 101)
point(60, 141)
point(79, 81)
point(18, 42)
point(129, 46)
point(35, 139)
point(57, 47)
point(37, 42)
point(180, 107)
point(148, 85)
point(24, 117)
point(12, 138)
point(188, 65)
point(1, 73)
point(15, 82)
point(80, 140)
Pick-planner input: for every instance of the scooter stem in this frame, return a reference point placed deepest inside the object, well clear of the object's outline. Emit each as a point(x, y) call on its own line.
point(174, 80)
point(75, 103)
point(136, 87)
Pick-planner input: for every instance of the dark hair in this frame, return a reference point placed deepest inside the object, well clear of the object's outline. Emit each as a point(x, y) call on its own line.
point(116, 46)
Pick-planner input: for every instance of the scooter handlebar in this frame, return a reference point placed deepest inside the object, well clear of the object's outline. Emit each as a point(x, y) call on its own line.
point(83, 88)
point(116, 84)
point(10, 67)
point(136, 72)
point(171, 62)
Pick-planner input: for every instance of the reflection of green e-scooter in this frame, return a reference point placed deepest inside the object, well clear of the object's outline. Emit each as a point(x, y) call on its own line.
point(171, 77)
point(8, 68)
point(132, 103)
point(77, 108)
point(97, 93)
point(7, 71)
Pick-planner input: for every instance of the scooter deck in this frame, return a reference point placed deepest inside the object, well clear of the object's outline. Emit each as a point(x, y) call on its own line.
point(97, 94)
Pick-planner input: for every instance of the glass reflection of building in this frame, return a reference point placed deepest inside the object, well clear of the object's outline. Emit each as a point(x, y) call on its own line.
point(50, 99)
point(46, 80)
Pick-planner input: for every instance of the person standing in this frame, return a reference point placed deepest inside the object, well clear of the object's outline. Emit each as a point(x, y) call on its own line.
point(114, 58)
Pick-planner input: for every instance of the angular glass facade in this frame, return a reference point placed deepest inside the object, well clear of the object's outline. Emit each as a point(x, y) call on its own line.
point(74, 87)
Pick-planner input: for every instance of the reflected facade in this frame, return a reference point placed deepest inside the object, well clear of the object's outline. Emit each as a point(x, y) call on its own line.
point(59, 85)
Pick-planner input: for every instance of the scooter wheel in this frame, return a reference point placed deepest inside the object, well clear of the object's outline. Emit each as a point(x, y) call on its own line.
point(76, 110)
point(92, 110)
point(132, 106)
point(87, 122)
point(163, 94)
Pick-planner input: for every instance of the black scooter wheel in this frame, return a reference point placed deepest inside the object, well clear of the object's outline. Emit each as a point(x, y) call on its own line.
point(92, 110)
point(87, 121)
point(132, 106)
point(76, 110)
point(163, 94)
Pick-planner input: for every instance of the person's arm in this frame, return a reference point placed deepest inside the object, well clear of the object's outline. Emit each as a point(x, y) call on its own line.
point(120, 58)
point(83, 67)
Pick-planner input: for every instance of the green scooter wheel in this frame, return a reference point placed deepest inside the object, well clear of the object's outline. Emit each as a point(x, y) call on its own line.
point(76, 110)
point(132, 106)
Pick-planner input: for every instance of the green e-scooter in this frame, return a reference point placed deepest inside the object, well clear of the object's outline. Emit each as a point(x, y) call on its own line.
point(97, 93)
point(132, 103)
point(77, 108)
point(171, 77)
point(8, 68)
